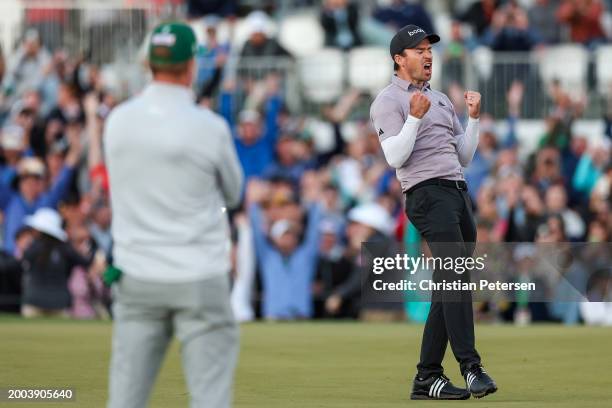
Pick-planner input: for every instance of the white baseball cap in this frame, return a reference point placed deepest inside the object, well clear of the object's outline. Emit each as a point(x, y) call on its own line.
point(280, 227)
point(249, 115)
point(12, 137)
point(373, 215)
point(48, 221)
point(258, 22)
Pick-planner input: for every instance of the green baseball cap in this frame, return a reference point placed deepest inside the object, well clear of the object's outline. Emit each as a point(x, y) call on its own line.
point(172, 43)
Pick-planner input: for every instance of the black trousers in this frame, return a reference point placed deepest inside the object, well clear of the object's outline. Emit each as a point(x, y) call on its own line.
point(443, 216)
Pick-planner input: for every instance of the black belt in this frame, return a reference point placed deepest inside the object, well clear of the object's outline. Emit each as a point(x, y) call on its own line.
point(458, 184)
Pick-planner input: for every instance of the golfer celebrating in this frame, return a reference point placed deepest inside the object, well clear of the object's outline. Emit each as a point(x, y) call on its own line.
point(172, 168)
point(422, 138)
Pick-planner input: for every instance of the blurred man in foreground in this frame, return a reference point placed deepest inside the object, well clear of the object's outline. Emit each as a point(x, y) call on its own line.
point(172, 170)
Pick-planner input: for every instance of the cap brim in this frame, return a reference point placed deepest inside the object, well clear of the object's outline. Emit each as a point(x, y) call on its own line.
point(433, 38)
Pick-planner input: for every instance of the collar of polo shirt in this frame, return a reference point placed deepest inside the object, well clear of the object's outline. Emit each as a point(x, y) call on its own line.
point(406, 85)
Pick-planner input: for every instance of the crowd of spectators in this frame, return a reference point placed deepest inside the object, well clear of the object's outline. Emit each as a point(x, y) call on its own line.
point(306, 208)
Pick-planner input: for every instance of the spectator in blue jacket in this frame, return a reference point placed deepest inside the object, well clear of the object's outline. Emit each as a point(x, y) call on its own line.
point(255, 142)
point(287, 266)
point(32, 192)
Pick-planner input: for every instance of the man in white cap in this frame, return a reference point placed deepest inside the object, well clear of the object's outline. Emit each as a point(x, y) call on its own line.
point(172, 169)
point(260, 43)
point(367, 223)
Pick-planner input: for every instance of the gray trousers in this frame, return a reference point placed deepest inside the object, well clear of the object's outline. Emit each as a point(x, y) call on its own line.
point(147, 315)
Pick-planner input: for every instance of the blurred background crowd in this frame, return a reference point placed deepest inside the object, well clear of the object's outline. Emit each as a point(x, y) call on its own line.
point(295, 79)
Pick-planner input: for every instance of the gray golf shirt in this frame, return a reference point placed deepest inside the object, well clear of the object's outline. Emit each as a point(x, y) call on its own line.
point(435, 149)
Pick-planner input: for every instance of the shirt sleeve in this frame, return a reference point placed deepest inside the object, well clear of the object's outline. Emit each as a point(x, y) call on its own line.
point(396, 134)
point(398, 148)
point(468, 142)
point(387, 118)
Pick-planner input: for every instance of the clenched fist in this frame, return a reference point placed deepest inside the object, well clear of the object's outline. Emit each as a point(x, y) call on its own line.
point(419, 105)
point(472, 100)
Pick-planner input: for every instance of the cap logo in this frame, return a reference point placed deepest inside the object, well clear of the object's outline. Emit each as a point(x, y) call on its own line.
point(413, 32)
point(162, 52)
point(163, 39)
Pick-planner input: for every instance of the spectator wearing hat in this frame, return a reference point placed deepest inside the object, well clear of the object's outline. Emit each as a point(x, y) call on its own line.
point(48, 263)
point(255, 141)
point(260, 43)
point(287, 263)
point(369, 222)
point(261, 54)
point(32, 192)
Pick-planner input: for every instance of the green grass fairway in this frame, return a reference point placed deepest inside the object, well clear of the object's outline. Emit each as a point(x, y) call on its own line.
point(324, 364)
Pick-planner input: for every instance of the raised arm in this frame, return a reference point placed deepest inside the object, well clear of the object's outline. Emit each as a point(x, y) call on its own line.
point(311, 238)
point(5, 195)
point(467, 141)
point(226, 101)
point(272, 109)
point(397, 136)
point(93, 131)
point(61, 185)
point(262, 246)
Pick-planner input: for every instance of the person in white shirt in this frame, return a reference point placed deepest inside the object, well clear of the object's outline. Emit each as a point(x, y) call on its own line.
point(173, 171)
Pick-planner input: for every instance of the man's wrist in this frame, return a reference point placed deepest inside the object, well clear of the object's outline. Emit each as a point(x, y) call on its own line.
point(412, 118)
